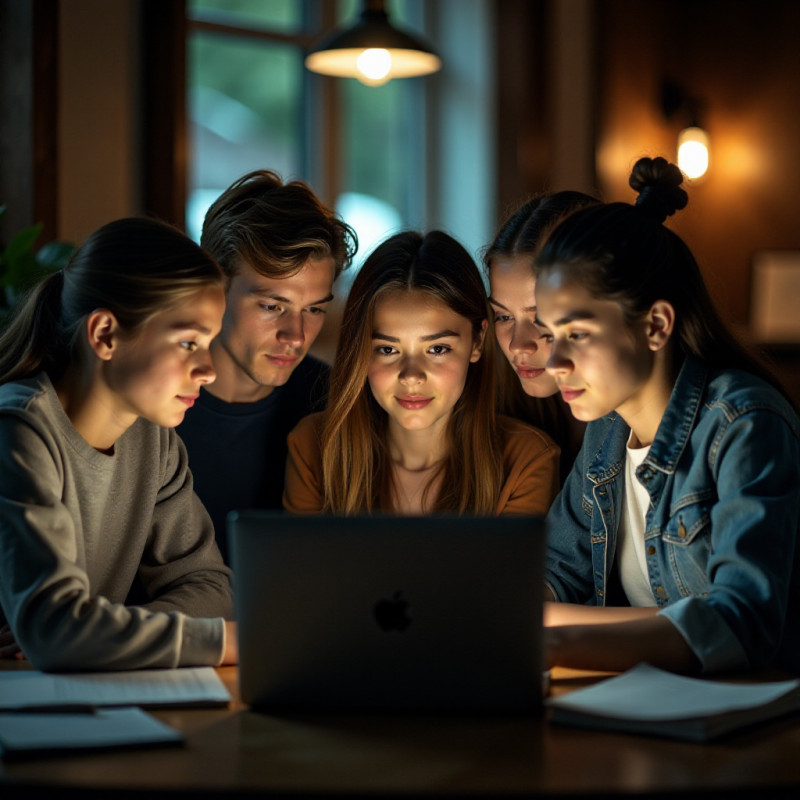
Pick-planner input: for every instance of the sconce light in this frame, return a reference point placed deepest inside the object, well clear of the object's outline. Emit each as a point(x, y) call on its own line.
point(693, 152)
point(372, 50)
point(693, 141)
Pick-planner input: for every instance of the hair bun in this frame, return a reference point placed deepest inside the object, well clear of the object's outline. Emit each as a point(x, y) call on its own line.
point(659, 186)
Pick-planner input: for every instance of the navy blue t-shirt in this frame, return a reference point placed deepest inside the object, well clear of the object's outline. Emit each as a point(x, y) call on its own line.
point(237, 451)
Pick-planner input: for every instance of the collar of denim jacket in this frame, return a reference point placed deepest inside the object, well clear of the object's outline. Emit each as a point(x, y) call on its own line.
point(680, 416)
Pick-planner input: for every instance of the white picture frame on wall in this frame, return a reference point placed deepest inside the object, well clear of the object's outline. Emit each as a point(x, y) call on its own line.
point(775, 297)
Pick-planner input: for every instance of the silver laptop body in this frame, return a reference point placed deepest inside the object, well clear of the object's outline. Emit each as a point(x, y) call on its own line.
point(388, 612)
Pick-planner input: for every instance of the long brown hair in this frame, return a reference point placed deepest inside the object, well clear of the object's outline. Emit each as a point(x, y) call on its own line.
point(134, 267)
point(357, 469)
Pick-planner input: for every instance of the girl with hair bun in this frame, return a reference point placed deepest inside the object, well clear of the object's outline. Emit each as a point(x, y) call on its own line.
point(107, 557)
point(410, 426)
point(525, 389)
point(677, 527)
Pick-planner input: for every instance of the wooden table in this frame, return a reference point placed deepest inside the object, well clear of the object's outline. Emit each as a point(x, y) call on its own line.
point(234, 752)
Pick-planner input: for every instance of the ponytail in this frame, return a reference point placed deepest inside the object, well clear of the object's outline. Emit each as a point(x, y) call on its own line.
point(32, 338)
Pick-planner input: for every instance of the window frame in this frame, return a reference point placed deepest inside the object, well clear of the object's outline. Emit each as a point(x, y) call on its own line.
point(166, 28)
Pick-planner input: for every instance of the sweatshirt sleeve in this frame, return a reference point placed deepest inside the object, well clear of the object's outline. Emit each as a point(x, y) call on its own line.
point(181, 567)
point(303, 489)
point(45, 596)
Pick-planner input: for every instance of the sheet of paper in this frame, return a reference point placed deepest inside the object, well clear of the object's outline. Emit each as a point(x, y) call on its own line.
point(21, 689)
point(646, 693)
point(28, 733)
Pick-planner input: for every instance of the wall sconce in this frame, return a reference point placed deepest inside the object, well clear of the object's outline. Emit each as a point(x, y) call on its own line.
point(373, 50)
point(693, 152)
point(693, 143)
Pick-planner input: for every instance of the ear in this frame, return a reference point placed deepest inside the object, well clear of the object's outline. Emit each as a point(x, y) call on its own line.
point(102, 330)
point(659, 324)
point(477, 346)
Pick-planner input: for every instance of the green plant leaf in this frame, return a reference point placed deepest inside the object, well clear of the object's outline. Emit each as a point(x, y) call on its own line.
point(21, 244)
point(19, 269)
point(54, 255)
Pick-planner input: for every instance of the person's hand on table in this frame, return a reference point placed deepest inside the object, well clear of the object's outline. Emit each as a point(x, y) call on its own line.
point(231, 655)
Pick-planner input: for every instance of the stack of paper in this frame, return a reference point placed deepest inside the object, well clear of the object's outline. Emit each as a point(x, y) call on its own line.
point(199, 686)
point(41, 712)
point(651, 701)
point(29, 734)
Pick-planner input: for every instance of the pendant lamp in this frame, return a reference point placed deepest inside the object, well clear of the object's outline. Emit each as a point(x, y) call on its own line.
point(373, 50)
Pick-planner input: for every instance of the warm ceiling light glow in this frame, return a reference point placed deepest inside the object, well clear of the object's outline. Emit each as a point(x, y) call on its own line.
point(374, 64)
point(693, 152)
point(373, 50)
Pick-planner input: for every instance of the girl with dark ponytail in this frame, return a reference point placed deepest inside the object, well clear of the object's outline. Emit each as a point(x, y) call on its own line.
point(107, 557)
point(678, 525)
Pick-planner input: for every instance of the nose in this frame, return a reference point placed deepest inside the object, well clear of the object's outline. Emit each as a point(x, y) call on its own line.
point(411, 373)
point(557, 362)
point(524, 337)
point(203, 368)
point(291, 330)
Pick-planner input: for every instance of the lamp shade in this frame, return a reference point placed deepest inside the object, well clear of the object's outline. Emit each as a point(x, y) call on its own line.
point(372, 50)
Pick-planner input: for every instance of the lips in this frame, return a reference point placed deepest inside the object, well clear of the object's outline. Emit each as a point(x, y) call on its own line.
point(283, 361)
point(570, 394)
point(188, 399)
point(413, 402)
point(528, 373)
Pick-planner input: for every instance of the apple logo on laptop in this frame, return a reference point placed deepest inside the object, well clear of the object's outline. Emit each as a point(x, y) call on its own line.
point(391, 614)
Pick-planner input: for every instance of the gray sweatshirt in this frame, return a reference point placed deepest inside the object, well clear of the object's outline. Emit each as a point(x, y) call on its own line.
point(78, 527)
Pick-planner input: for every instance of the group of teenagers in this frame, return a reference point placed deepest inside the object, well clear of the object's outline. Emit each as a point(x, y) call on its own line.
point(154, 385)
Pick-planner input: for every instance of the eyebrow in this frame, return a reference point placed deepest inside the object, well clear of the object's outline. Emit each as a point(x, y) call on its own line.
point(428, 338)
point(500, 305)
point(267, 293)
point(573, 316)
point(190, 326)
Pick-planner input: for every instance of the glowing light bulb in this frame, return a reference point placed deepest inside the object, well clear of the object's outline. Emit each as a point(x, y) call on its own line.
point(693, 152)
point(374, 66)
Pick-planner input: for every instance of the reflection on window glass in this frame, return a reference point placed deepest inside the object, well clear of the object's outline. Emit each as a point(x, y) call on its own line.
point(244, 108)
point(279, 15)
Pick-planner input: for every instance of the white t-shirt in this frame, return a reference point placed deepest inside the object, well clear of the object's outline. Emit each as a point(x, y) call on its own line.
point(630, 536)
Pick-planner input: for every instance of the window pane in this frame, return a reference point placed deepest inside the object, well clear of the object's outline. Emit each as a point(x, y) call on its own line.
point(278, 15)
point(378, 162)
point(245, 101)
point(381, 135)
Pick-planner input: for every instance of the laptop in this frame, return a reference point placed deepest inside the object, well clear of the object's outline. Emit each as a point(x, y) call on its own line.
point(388, 612)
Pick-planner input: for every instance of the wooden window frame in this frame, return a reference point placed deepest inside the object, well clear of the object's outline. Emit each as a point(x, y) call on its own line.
point(165, 31)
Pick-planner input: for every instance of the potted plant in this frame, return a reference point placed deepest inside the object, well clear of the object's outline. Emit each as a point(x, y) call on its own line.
point(21, 266)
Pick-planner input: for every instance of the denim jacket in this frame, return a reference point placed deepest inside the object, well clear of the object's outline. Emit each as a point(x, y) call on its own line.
point(722, 527)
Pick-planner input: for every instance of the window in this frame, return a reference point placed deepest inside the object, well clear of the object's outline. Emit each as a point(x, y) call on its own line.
point(252, 104)
point(244, 95)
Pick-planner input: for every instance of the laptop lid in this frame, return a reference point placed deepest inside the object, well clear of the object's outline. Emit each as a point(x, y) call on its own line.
point(388, 612)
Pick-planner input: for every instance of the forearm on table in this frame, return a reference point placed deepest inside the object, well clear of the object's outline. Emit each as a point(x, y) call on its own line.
point(575, 614)
point(619, 645)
